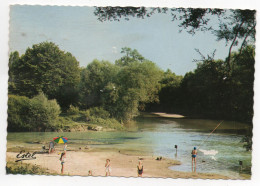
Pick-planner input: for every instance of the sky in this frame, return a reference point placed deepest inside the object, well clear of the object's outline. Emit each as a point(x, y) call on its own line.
point(78, 31)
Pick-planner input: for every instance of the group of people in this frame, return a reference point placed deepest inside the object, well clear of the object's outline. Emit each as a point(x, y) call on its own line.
point(63, 154)
point(107, 164)
point(140, 168)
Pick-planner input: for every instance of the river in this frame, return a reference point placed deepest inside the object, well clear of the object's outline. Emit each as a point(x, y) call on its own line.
point(156, 136)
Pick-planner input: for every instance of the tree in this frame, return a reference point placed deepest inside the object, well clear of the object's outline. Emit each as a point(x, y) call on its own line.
point(234, 25)
point(123, 88)
point(94, 78)
point(169, 92)
point(209, 91)
point(129, 57)
point(46, 68)
point(13, 60)
point(136, 84)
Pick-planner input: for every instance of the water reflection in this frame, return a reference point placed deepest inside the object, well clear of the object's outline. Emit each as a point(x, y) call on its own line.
point(158, 136)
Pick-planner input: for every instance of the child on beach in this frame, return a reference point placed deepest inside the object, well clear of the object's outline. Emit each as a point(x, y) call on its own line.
point(140, 169)
point(65, 148)
point(62, 160)
point(108, 169)
point(51, 147)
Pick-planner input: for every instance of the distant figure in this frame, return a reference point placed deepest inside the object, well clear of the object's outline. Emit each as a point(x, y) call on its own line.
point(140, 169)
point(51, 147)
point(62, 160)
point(65, 148)
point(193, 156)
point(90, 172)
point(108, 169)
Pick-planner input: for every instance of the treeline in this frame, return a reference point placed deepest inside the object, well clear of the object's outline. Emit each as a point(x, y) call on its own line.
point(101, 93)
point(212, 90)
point(48, 88)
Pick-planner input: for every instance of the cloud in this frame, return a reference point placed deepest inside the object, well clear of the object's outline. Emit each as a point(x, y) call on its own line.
point(114, 50)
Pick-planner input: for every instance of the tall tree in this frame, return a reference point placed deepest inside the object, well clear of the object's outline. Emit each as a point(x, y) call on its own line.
point(136, 84)
point(94, 78)
point(45, 68)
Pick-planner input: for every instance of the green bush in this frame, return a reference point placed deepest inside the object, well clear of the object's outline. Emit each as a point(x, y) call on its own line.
point(36, 114)
point(73, 110)
point(99, 112)
point(24, 168)
point(107, 123)
point(18, 109)
point(44, 112)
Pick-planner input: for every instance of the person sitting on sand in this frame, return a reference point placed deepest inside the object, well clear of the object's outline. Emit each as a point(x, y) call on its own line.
point(51, 147)
point(108, 169)
point(140, 169)
point(90, 172)
point(193, 156)
point(62, 160)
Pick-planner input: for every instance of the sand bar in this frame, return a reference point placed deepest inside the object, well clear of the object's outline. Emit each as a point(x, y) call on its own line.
point(165, 115)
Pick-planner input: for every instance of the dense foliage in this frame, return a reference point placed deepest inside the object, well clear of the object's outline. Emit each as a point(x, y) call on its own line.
point(111, 94)
point(45, 68)
point(120, 88)
point(211, 91)
point(36, 114)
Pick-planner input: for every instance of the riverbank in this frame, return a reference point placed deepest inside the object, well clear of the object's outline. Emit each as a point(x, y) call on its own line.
point(123, 165)
point(165, 115)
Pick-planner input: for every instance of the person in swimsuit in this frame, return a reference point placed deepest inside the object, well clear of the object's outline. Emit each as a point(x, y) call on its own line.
point(108, 169)
point(65, 148)
point(140, 169)
point(193, 158)
point(62, 160)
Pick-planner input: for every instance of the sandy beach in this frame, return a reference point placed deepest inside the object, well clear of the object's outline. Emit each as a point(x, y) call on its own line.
point(79, 163)
point(165, 115)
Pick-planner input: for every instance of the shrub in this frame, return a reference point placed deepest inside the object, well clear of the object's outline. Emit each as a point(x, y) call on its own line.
point(99, 112)
point(44, 112)
point(26, 114)
point(18, 109)
point(24, 168)
point(73, 110)
point(107, 123)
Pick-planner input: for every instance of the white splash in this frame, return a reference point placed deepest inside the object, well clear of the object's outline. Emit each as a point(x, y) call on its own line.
point(212, 153)
point(209, 152)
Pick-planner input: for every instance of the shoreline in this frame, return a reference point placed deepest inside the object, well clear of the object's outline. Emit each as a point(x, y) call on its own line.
point(122, 165)
point(166, 115)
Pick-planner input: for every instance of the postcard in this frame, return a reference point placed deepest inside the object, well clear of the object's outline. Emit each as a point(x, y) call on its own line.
point(131, 91)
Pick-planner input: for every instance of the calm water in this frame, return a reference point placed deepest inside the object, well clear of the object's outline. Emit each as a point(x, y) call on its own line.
point(220, 153)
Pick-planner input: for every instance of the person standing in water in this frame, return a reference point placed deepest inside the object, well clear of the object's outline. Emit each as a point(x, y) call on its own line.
point(108, 169)
point(193, 160)
point(140, 169)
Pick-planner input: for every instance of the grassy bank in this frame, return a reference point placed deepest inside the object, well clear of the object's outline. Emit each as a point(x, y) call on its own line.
point(13, 167)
